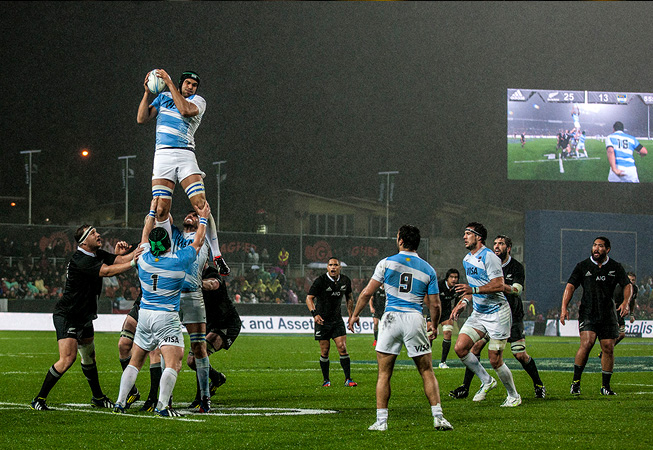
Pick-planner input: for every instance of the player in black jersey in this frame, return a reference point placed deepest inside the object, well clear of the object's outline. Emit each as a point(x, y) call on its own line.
point(448, 299)
point(74, 313)
point(597, 318)
point(377, 308)
point(323, 300)
point(513, 276)
point(223, 325)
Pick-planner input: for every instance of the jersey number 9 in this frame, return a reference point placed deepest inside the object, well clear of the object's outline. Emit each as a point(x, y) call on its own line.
point(405, 282)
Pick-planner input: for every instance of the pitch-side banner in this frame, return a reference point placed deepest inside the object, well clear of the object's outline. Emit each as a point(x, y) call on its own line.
point(113, 323)
point(639, 328)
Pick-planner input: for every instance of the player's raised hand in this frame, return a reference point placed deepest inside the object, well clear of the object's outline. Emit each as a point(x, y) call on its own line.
point(121, 248)
point(165, 77)
point(205, 211)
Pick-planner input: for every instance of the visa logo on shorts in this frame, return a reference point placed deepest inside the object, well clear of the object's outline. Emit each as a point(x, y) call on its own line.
point(171, 339)
point(422, 348)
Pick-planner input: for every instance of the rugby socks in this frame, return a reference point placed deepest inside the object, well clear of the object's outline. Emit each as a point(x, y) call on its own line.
point(446, 346)
point(91, 374)
point(202, 367)
point(376, 334)
point(472, 363)
point(51, 379)
point(436, 411)
point(212, 237)
point(531, 370)
point(124, 362)
point(168, 380)
point(578, 372)
point(126, 382)
point(605, 376)
point(345, 362)
point(155, 380)
point(469, 376)
point(324, 365)
point(505, 375)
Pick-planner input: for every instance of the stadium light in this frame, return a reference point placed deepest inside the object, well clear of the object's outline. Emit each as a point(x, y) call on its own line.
point(28, 172)
point(387, 200)
point(126, 179)
point(219, 179)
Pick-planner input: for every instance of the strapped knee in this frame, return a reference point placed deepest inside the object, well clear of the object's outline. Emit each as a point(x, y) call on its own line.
point(518, 347)
point(195, 188)
point(471, 332)
point(87, 352)
point(447, 328)
point(162, 191)
point(497, 344)
point(127, 334)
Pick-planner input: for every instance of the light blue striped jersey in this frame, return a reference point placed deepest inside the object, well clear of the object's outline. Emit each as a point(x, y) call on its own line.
point(624, 145)
point(406, 278)
point(193, 280)
point(162, 277)
point(480, 269)
point(581, 139)
point(172, 129)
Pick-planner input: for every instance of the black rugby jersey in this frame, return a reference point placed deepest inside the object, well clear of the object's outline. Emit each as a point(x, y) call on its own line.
point(599, 283)
point(83, 286)
point(329, 294)
point(513, 272)
point(220, 308)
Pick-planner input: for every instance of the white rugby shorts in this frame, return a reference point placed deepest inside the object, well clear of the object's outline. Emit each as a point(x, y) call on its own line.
point(158, 328)
point(175, 164)
point(495, 325)
point(409, 329)
point(629, 176)
point(191, 308)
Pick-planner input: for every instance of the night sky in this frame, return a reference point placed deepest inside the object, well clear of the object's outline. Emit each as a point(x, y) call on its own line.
point(316, 97)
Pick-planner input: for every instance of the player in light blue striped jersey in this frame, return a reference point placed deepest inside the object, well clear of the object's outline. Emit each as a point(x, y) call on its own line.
point(409, 282)
point(161, 273)
point(491, 315)
point(620, 147)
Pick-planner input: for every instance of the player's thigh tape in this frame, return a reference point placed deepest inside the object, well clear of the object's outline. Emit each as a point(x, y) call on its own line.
point(497, 344)
point(87, 352)
point(127, 334)
point(162, 191)
point(194, 189)
point(518, 347)
point(469, 331)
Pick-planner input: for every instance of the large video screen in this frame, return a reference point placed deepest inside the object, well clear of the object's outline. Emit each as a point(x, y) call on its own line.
point(567, 135)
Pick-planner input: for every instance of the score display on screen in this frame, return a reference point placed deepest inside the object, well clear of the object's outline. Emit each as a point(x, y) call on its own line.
point(568, 135)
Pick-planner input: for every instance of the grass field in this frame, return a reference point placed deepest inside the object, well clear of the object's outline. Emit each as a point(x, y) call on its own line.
point(529, 163)
point(270, 378)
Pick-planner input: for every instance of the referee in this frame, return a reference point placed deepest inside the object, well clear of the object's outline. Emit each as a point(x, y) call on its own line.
point(323, 300)
point(74, 313)
point(597, 317)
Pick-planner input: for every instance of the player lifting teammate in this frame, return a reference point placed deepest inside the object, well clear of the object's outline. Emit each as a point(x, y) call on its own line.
point(181, 111)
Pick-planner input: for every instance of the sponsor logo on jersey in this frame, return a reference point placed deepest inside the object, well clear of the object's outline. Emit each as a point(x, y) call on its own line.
point(611, 273)
point(329, 289)
point(588, 274)
point(600, 278)
point(472, 271)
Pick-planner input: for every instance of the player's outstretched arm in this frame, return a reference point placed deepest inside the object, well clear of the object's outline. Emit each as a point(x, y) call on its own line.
point(145, 111)
point(200, 234)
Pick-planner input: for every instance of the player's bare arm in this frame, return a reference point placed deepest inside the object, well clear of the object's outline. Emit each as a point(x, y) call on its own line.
point(200, 234)
point(566, 298)
point(495, 285)
point(145, 111)
point(434, 305)
point(460, 307)
point(310, 304)
point(642, 151)
point(363, 299)
point(186, 108)
point(624, 308)
point(613, 162)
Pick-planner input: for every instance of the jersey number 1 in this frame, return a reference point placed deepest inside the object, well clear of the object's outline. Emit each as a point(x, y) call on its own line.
point(405, 282)
point(155, 279)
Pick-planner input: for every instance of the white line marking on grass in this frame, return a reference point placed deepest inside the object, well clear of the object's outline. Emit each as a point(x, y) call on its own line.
point(269, 411)
point(640, 393)
point(554, 160)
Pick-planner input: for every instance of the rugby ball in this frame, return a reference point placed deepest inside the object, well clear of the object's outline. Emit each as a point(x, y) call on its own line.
point(155, 84)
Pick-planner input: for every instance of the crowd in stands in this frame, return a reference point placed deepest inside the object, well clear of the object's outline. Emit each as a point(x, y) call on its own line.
point(27, 272)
